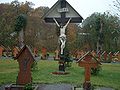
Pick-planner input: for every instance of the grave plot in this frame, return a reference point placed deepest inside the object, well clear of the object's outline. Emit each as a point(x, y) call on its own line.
point(25, 60)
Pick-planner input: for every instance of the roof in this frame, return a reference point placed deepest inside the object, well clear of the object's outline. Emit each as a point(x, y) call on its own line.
point(53, 13)
point(88, 53)
point(22, 50)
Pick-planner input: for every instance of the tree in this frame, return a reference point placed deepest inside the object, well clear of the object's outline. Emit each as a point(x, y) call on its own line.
point(100, 27)
point(116, 7)
point(17, 16)
point(6, 25)
point(20, 26)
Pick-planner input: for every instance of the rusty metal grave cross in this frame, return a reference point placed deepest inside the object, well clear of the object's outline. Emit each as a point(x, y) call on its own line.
point(88, 61)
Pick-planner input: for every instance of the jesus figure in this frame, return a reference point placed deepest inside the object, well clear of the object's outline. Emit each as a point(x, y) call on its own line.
point(62, 36)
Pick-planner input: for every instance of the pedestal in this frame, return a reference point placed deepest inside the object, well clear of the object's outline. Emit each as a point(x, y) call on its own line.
point(19, 87)
point(87, 85)
point(61, 66)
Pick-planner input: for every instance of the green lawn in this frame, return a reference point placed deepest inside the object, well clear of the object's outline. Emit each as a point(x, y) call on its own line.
point(108, 77)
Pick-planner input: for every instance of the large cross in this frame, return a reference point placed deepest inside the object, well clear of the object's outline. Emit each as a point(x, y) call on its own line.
point(62, 13)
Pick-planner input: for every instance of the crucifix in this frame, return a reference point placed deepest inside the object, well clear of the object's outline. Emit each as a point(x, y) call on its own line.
point(62, 13)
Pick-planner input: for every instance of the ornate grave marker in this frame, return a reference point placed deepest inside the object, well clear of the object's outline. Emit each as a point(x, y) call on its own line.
point(35, 51)
point(116, 56)
point(25, 60)
point(88, 61)
point(110, 56)
point(79, 53)
point(44, 53)
point(15, 51)
point(93, 53)
point(99, 55)
point(62, 13)
point(1, 51)
point(119, 56)
point(105, 55)
point(56, 55)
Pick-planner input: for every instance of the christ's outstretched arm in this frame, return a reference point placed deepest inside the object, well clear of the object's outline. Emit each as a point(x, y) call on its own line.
point(56, 22)
point(67, 23)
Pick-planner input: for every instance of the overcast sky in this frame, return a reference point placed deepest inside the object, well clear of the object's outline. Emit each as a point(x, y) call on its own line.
point(84, 7)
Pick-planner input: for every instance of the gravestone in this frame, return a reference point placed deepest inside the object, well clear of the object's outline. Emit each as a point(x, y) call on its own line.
point(93, 53)
point(99, 55)
point(88, 61)
point(1, 51)
point(116, 56)
point(25, 60)
point(15, 51)
point(44, 53)
point(110, 56)
point(56, 55)
point(79, 54)
point(105, 55)
point(35, 51)
point(8, 52)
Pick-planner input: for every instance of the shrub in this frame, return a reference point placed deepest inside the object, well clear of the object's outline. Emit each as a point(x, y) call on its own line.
point(34, 66)
point(28, 87)
point(95, 71)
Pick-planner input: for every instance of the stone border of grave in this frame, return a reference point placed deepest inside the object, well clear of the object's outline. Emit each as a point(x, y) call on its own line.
point(20, 87)
point(59, 86)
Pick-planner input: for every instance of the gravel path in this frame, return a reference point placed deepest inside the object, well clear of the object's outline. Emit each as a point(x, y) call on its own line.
point(50, 87)
point(55, 87)
point(60, 87)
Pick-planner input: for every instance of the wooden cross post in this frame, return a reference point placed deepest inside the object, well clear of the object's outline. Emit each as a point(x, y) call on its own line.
point(87, 62)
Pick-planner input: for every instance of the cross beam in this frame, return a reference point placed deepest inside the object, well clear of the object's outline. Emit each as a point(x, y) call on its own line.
point(73, 20)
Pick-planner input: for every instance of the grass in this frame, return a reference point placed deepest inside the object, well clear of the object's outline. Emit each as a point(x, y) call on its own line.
point(108, 77)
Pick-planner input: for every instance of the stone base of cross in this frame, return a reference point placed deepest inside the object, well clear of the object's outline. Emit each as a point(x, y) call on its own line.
point(87, 85)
